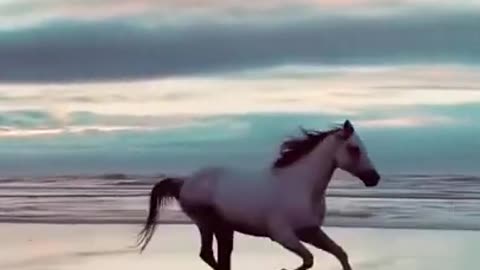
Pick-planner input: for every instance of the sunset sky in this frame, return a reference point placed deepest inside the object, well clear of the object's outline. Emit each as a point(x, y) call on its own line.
point(92, 86)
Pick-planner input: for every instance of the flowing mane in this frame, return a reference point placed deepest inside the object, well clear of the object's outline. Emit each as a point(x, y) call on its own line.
point(295, 148)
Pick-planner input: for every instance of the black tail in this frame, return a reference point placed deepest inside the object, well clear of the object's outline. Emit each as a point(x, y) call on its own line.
point(162, 192)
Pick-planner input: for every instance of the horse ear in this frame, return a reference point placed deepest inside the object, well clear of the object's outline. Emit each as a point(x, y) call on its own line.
point(305, 132)
point(348, 129)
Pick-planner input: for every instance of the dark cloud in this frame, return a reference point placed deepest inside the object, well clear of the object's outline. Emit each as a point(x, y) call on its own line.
point(118, 50)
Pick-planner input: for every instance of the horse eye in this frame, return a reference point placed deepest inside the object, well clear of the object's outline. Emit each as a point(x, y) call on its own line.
point(354, 150)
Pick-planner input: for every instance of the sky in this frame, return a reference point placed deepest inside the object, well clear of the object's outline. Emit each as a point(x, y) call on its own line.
point(169, 86)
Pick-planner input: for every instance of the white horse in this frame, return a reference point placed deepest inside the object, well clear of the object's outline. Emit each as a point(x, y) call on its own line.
point(285, 203)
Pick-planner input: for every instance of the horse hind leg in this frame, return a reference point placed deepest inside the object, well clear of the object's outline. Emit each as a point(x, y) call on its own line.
point(209, 225)
point(224, 236)
point(206, 249)
point(214, 225)
point(204, 219)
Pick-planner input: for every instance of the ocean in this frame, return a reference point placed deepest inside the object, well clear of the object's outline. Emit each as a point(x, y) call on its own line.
point(420, 201)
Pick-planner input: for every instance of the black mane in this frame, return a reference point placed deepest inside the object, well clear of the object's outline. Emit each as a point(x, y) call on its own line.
point(295, 148)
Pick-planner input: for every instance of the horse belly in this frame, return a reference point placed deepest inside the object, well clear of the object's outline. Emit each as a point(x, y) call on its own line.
point(243, 206)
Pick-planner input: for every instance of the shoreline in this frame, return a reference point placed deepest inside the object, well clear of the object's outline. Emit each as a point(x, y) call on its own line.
point(413, 227)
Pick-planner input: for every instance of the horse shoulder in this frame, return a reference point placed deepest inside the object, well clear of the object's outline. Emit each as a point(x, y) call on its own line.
point(292, 208)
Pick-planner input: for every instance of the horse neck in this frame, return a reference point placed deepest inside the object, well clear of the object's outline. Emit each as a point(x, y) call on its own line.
point(313, 172)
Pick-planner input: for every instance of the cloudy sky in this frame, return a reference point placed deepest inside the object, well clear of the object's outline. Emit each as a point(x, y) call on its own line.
point(144, 85)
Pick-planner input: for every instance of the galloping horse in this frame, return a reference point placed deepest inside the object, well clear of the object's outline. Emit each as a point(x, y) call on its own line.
point(285, 203)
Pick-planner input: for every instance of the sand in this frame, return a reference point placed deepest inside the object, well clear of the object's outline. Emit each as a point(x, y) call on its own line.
point(91, 247)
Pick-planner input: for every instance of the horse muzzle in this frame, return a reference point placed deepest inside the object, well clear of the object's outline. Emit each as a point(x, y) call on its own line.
point(370, 178)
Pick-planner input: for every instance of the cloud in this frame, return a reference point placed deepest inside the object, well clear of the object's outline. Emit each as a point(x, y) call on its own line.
point(43, 132)
point(406, 122)
point(41, 122)
point(26, 13)
point(345, 92)
point(26, 119)
point(377, 98)
point(125, 49)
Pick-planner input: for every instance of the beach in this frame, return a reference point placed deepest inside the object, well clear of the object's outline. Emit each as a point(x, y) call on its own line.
point(89, 247)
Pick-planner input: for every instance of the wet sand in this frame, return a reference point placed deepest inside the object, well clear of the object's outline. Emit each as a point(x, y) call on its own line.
point(91, 247)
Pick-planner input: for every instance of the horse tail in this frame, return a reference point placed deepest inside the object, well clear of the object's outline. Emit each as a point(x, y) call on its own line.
point(162, 193)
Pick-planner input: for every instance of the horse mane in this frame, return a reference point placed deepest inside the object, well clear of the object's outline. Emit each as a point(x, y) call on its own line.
point(295, 148)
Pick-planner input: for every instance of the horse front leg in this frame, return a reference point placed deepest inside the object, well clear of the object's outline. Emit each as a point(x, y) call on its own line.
point(318, 238)
point(287, 239)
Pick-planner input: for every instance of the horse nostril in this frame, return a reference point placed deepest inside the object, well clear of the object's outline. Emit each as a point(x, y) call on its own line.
point(371, 183)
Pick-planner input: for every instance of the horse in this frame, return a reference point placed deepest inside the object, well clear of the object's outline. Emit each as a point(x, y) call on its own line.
point(284, 202)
